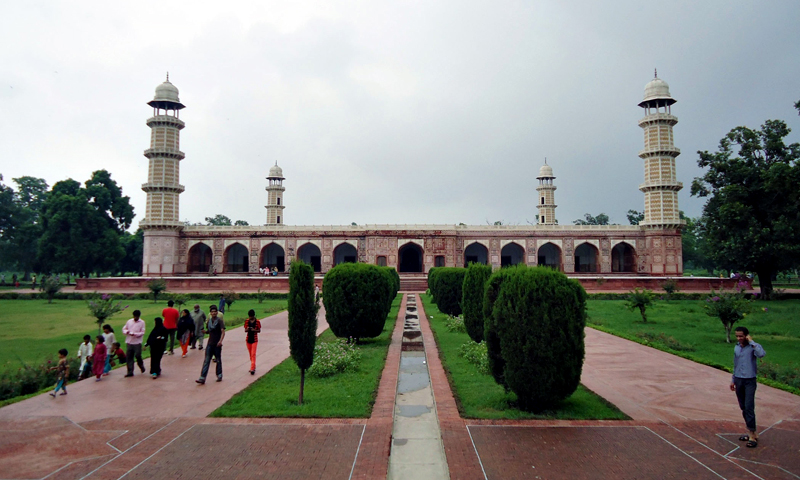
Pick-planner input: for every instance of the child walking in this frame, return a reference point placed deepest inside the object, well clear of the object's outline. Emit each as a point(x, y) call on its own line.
point(63, 373)
point(110, 339)
point(85, 351)
point(99, 358)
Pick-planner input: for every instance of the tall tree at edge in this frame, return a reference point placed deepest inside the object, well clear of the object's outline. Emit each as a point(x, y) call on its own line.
point(302, 318)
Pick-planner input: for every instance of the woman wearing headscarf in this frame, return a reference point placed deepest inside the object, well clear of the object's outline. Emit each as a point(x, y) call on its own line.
point(157, 341)
point(185, 330)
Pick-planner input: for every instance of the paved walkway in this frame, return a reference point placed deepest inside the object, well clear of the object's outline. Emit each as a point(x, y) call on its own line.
point(685, 425)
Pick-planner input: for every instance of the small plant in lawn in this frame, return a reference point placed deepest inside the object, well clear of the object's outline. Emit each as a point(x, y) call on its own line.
point(335, 357)
point(728, 307)
point(104, 308)
point(180, 300)
point(230, 297)
point(156, 286)
point(261, 296)
point(666, 340)
point(670, 286)
point(640, 298)
point(788, 374)
point(476, 354)
point(455, 324)
point(50, 287)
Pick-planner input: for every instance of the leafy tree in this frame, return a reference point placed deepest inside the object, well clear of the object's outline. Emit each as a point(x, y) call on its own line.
point(302, 318)
point(640, 299)
point(218, 220)
point(134, 249)
point(472, 299)
point(156, 286)
point(106, 196)
point(751, 220)
point(76, 236)
point(8, 216)
point(635, 217)
point(729, 307)
point(241, 222)
point(588, 219)
point(104, 308)
point(670, 286)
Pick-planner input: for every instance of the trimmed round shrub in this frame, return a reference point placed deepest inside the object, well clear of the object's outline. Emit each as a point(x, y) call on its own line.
point(448, 283)
point(357, 299)
point(490, 293)
point(432, 280)
point(538, 317)
point(472, 299)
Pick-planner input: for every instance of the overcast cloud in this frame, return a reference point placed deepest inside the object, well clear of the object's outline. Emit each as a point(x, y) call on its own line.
point(388, 112)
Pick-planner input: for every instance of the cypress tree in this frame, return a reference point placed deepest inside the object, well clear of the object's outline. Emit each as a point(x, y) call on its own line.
point(357, 300)
point(472, 299)
point(302, 318)
point(448, 282)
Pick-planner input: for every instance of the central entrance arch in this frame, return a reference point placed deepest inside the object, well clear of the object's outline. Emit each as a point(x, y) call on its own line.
point(345, 253)
point(476, 253)
point(623, 258)
point(410, 258)
point(587, 259)
point(550, 256)
point(310, 254)
point(511, 254)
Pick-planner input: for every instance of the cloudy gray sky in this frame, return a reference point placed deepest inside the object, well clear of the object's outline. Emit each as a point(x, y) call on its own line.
point(391, 111)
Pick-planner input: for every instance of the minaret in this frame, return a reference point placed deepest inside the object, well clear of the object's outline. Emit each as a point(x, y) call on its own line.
point(660, 185)
point(275, 191)
point(162, 223)
point(546, 189)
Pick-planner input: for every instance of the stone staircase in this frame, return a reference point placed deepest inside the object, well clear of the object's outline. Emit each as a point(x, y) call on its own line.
point(413, 282)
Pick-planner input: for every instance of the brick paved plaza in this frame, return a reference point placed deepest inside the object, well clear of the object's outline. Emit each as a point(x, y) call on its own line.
point(685, 424)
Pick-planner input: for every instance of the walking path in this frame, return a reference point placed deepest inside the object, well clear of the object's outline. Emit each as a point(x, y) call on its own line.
point(685, 424)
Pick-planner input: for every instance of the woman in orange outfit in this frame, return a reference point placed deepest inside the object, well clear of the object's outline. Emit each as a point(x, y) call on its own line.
point(252, 327)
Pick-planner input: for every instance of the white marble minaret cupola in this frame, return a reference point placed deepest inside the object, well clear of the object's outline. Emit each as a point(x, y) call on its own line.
point(546, 199)
point(660, 185)
point(275, 191)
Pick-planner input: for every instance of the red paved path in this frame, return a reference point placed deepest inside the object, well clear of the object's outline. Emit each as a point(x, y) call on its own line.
point(685, 426)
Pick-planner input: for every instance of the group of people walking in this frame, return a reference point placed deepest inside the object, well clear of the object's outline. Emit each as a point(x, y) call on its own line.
point(190, 328)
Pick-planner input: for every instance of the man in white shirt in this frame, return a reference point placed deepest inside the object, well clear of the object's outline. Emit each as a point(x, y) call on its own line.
point(134, 333)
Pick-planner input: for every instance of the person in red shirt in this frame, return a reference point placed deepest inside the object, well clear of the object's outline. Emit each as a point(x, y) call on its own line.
point(171, 315)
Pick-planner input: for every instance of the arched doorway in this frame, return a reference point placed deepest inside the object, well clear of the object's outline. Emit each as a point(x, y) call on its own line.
point(237, 259)
point(200, 258)
point(550, 256)
point(310, 254)
point(410, 256)
point(345, 253)
point(272, 256)
point(623, 258)
point(511, 254)
point(587, 259)
point(476, 253)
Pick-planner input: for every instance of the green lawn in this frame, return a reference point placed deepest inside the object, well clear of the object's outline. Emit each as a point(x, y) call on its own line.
point(478, 396)
point(31, 330)
point(684, 325)
point(345, 395)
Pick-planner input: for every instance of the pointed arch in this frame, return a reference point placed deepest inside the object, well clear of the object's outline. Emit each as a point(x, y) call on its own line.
point(236, 259)
point(587, 258)
point(476, 253)
point(345, 253)
point(512, 254)
point(623, 258)
point(410, 258)
point(200, 258)
point(310, 254)
point(549, 255)
point(273, 255)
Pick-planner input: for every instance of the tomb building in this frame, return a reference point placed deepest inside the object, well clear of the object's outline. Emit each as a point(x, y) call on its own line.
point(651, 248)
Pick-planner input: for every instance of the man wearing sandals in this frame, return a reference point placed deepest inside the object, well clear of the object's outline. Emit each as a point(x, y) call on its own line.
point(743, 381)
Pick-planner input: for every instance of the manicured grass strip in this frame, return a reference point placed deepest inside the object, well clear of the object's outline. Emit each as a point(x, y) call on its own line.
point(700, 338)
point(32, 330)
point(345, 395)
point(478, 396)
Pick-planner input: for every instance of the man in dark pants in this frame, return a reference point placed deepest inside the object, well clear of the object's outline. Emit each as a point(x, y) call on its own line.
point(171, 315)
point(215, 330)
point(134, 332)
point(743, 381)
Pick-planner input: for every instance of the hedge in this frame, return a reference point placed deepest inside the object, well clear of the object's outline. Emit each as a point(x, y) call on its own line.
point(136, 296)
point(472, 299)
point(357, 300)
point(538, 319)
point(448, 282)
point(431, 280)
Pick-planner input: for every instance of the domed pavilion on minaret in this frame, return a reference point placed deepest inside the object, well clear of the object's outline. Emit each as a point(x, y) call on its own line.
point(192, 256)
